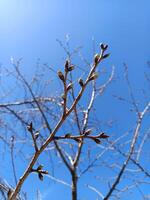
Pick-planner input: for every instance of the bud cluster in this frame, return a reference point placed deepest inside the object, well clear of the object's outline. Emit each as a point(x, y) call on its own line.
point(39, 170)
point(68, 67)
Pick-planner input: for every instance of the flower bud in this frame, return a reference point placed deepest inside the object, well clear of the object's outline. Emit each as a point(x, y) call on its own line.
point(66, 65)
point(106, 55)
point(71, 68)
point(88, 132)
point(96, 58)
point(81, 82)
point(69, 86)
point(30, 127)
point(60, 75)
point(103, 46)
point(94, 76)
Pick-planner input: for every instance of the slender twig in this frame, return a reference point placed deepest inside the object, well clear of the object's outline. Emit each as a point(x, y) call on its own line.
point(33, 96)
point(85, 122)
point(30, 129)
point(102, 154)
point(141, 145)
point(130, 89)
point(12, 159)
point(58, 180)
point(134, 140)
point(62, 156)
point(96, 190)
point(30, 101)
point(133, 161)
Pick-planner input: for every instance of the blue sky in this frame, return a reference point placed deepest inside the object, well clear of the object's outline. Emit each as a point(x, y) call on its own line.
point(29, 30)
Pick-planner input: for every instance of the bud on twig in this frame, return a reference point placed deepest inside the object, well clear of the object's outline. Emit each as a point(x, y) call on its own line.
point(103, 46)
point(106, 55)
point(30, 127)
point(94, 76)
point(71, 68)
point(9, 193)
point(40, 167)
point(67, 135)
point(70, 86)
point(88, 132)
point(97, 140)
point(103, 136)
point(96, 58)
point(40, 172)
point(36, 135)
point(81, 82)
point(60, 75)
point(40, 175)
point(66, 65)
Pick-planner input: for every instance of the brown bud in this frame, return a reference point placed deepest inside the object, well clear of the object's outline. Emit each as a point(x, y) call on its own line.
point(103, 136)
point(94, 76)
point(88, 132)
point(97, 140)
point(106, 55)
point(96, 58)
point(71, 68)
point(36, 135)
point(69, 86)
point(103, 46)
point(81, 82)
point(67, 135)
point(40, 167)
point(30, 127)
point(66, 65)
point(60, 75)
point(40, 176)
point(9, 193)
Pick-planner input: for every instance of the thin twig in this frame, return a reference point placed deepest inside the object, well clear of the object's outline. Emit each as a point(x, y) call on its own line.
point(12, 159)
point(95, 190)
point(134, 139)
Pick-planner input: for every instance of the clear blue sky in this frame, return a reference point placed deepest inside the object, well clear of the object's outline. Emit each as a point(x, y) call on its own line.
point(29, 29)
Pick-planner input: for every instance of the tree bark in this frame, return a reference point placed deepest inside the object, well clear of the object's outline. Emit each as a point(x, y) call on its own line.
point(74, 186)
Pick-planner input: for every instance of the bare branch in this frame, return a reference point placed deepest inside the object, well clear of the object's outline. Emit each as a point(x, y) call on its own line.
point(95, 190)
point(134, 140)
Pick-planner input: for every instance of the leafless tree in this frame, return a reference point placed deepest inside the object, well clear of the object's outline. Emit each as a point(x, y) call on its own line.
point(64, 128)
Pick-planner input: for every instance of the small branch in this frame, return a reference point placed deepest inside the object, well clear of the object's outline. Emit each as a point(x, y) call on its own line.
point(29, 101)
point(30, 129)
point(58, 180)
point(141, 145)
point(12, 158)
point(95, 190)
point(134, 161)
point(102, 88)
point(101, 154)
point(79, 138)
point(134, 139)
point(62, 156)
point(32, 94)
point(130, 90)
